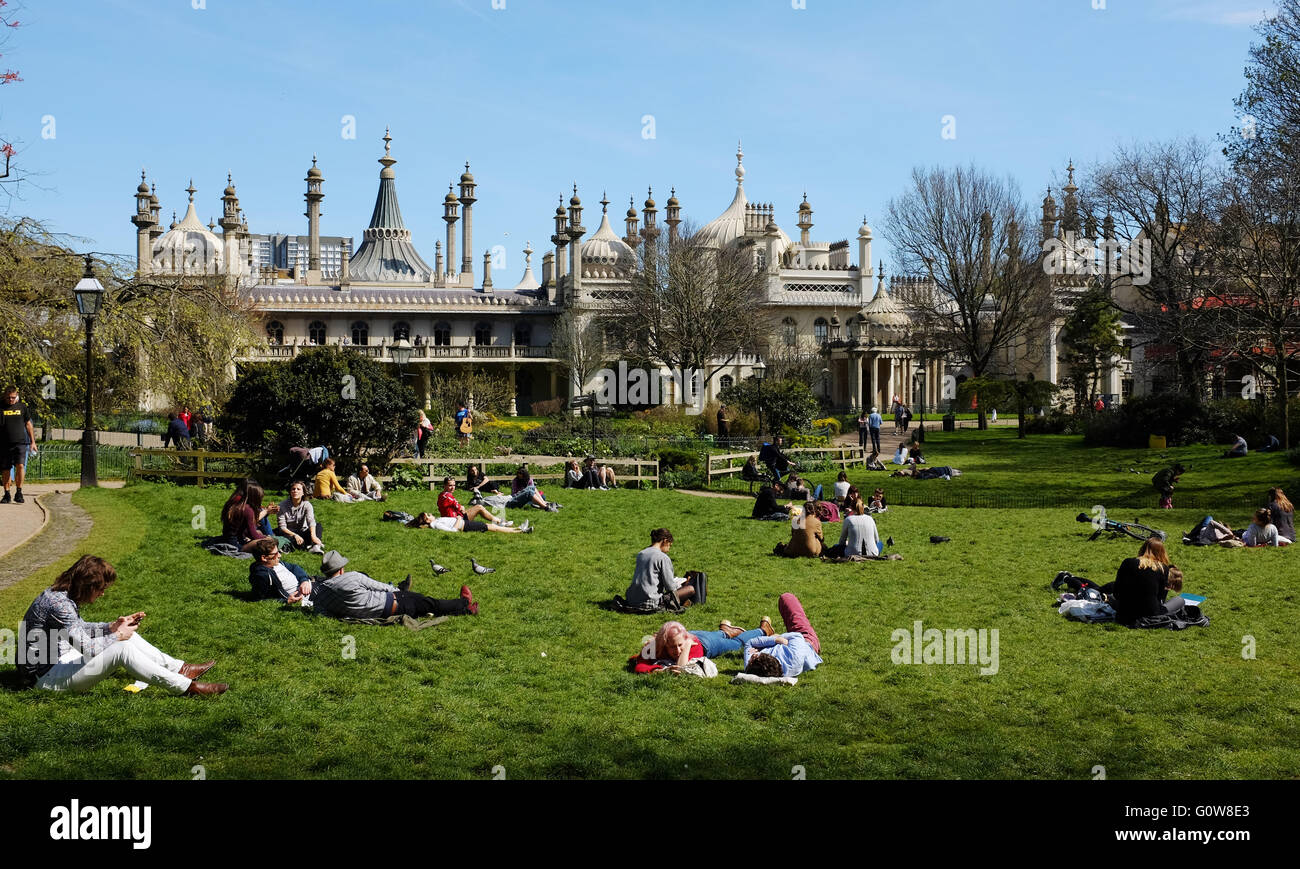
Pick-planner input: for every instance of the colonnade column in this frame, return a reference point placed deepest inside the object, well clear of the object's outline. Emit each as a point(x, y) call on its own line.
point(873, 400)
point(513, 409)
point(426, 386)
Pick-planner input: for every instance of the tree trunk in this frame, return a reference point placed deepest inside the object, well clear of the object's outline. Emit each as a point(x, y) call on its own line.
point(1283, 386)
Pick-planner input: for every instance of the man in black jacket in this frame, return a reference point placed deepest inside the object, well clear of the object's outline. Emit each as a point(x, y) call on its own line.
point(270, 577)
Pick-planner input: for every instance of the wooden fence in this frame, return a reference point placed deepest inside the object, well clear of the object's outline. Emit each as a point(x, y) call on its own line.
point(642, 470)
point(177, 465)
point(721, 467)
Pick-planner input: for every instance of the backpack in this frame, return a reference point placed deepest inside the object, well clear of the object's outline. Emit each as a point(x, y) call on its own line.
point(827, 511)
point(1084, 589)
point(396, 516)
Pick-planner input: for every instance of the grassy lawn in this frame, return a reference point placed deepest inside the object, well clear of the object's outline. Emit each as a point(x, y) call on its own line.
point(536, 683)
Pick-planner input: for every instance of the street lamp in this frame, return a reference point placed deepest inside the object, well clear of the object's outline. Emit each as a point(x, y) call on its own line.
point(89, 293)
point(760, 371)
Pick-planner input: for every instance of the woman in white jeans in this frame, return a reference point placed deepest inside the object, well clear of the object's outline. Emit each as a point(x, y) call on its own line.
point(62, 652)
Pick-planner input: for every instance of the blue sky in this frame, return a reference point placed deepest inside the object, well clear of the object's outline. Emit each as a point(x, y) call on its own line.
point(842, 98)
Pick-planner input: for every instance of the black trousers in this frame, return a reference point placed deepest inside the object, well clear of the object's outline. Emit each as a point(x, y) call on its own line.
point(414, 604)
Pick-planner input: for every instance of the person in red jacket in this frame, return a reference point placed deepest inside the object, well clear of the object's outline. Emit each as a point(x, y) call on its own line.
point(449, 506)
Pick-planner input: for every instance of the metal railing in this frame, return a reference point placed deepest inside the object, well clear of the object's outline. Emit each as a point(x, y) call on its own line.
point(59, 462)
point(642, 470)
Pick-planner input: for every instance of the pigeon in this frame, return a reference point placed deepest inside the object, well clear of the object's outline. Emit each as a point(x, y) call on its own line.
point(890, 542)
point(480, 569)
point(438, 569)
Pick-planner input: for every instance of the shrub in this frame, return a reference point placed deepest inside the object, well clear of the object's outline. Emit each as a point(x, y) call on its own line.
point(829, 422)
point(406, 476)
point(675, 458)
point(549, 407)
point(1053, 422)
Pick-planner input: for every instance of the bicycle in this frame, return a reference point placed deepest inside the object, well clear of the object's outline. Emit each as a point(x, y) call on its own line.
point(1132, 529)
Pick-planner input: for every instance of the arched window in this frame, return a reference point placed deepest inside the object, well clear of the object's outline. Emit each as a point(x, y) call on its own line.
point(482, 334)
point(523, 334)
point(442, 334)
point(316, 332)
point(821, 330)
point(360, 333)
point(275, 332)
point(726, 381)
point(789, 334)
point(401, 330)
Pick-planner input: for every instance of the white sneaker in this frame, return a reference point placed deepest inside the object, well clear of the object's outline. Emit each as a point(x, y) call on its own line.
point(508, 523)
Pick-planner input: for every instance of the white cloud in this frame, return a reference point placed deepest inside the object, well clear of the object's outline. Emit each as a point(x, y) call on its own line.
point(1223, 13)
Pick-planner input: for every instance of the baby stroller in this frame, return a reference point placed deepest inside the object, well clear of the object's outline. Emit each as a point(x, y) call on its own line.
point(302, 467)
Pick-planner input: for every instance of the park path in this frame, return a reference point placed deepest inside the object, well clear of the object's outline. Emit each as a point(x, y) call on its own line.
point(42, 530)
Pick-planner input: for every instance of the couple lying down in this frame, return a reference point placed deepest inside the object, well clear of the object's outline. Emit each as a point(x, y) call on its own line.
point(767, 653)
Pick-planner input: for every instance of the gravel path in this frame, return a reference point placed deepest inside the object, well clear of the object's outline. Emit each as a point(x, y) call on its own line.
point(68, 526)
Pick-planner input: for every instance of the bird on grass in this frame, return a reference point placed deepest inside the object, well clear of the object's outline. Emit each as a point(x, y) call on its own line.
point(438, 569)
point(480, 569)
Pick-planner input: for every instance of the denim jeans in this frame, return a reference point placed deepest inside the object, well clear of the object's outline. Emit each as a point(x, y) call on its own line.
point(717, 643)
point(523, 497)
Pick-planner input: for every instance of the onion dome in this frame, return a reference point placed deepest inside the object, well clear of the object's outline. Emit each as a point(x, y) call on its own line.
point(605, 255)
point(313, 172)
point(649, 199)
point(187, 247)
point(143, 189)
point(466, 177)
point(864, 231)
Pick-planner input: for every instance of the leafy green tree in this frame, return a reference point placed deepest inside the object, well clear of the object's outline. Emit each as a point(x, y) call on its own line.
point(782, 402)
point(1091, 337)
point(325, 396)
point(1020, 394)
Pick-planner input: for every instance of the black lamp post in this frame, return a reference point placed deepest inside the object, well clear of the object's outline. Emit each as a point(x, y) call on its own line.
point(401, 351)
point(89, 293)
point(760, 371)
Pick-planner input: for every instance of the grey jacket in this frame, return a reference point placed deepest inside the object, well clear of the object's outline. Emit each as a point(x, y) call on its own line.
point(351, 595)
point(653, 577)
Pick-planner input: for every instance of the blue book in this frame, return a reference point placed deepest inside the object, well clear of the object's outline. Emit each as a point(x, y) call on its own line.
point(1197, 599)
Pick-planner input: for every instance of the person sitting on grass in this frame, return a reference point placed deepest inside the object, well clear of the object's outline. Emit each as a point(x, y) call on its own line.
point(901, 456)
point(842, 485)
point(523, 491)
point(1238, 448)
point(459, 523)
point(63, 652)
point(877, 503)
point(327, 485)
point(1281, 514)
point(765, 505)
point(806, 539)
point(270, 576)
point(598, 476)
point(353, 595)
point(478, 483)
point(673, 646)
point(850, 498)
point(296, 520)
point(796, 488)
point(796, 651)
point(1142, 584)
point(858, 534)
point(874, 463)
point(1261, 532)
point(241, 514)
point(750, 472)
point(914, 453)
point(363, 486)
point(573, 476)
point(653, 579)
point(449, 506)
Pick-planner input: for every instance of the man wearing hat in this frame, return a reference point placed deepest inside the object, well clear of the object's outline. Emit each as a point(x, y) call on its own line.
point(353, 595)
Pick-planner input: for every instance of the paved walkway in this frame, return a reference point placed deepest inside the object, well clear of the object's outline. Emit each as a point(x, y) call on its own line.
point(48, 522)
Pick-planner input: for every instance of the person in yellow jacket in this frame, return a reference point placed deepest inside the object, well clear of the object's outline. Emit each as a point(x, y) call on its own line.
point(327, 485)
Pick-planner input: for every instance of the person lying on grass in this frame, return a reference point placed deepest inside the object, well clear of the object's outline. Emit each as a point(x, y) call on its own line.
point(353, 595)
point(449, 506)
point(788, 654)
point(457, 523)
point(63, 652)
point(673, 647)
point(271, 577)
point(653, 578)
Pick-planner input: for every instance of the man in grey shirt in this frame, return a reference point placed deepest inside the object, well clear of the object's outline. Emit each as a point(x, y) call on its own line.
point(653, 578)
point(353, 595)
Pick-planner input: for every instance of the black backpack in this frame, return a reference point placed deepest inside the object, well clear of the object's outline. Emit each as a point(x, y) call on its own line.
point(1083, 589)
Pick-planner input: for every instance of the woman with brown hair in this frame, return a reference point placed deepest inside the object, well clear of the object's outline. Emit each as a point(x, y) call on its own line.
point(241, 514)
point(1142, 584)
point(61, 652)
point(1281, 513)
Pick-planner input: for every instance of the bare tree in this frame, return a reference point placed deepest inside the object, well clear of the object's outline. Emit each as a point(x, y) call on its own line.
point(1260, 229)
point(968, 231)
point(1163, 202)
point(692, 305)
point(578, 341)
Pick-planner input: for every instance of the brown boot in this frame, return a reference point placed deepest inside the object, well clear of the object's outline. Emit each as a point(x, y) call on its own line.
point(730, 630)
point(207, 688)
point(765, 624)
point(194, 671)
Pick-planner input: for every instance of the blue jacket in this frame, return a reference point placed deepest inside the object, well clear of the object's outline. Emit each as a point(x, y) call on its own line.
point(264, 583)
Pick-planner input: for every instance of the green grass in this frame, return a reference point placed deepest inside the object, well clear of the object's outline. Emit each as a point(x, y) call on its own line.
point(457, 700)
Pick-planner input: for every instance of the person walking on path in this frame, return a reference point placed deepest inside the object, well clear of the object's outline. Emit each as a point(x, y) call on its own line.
point(863, 430)
point(17, 439)
point(724, 424)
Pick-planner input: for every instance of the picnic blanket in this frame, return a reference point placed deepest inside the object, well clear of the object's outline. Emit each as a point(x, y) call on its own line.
point(219, 546)
point(1087, 611)
point(740, 678)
